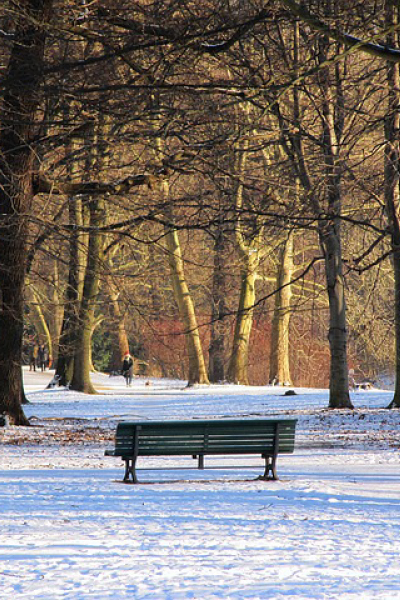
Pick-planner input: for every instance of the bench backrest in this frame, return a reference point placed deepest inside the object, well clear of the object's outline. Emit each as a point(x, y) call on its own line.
point(252, 436)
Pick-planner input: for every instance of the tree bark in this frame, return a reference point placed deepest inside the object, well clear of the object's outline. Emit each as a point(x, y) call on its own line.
point(249, 250)
point(56, 318)
point(118, 320)
point(219, 326)
point(332, 110)
point(279, 367)
point(40, 323)
point(339, 396)
point(82, 357)
point(330, 241)
point(238, 363)
point(70, 324)
point(392, 178)
point(197, 367)
point(21, 85)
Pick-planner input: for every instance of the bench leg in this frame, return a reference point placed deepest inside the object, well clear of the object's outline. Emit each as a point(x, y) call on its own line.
point(130, 471)
point(270, 468)
point(200, 464)
point(270, 459)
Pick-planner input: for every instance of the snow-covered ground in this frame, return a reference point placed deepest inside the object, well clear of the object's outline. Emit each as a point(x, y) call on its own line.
point(328, 529)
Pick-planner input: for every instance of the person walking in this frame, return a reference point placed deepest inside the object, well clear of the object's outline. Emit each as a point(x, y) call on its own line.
point(127, 369)
point(33, 352)
point(42, 357)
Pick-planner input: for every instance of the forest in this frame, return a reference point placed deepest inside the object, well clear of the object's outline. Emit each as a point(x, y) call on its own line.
point(210, 185)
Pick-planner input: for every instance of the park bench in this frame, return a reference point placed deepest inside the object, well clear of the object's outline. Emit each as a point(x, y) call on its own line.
point(198, 438)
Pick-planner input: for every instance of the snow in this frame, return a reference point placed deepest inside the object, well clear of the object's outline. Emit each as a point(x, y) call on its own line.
point(328, 529)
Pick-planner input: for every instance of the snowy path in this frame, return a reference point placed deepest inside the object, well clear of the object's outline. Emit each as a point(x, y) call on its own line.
point(329, 529)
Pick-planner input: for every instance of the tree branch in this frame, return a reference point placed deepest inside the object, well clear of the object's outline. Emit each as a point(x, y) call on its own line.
point(371, 48)
point(41, 185)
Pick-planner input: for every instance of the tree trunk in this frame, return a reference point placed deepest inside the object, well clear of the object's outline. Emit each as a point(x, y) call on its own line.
point(279, 367)
point(70, 324)
point(330, 238)
point(83, 338)
point(78, 252)
point(396, 267)
point(392, 177)
point(329, 232)
point(219, 326)
point(118, 319)
point(249, 250)
point(40, 323)
point(197, 368)
point(238, 363)
point(339, 396)
point(21, 83)
point(56, 318)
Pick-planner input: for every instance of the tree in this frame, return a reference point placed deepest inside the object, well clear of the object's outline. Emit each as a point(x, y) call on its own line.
point(279, 367)
point(392, 178)
point(119, 59)
point(219, 310)
point(21, 98)
point(197, 367)
point(249, 242)
point(325, 206)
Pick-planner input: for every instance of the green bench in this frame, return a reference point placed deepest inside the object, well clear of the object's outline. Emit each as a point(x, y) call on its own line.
point(268, 437)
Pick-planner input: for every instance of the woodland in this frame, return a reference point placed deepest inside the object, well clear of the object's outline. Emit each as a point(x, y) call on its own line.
point(211, 185)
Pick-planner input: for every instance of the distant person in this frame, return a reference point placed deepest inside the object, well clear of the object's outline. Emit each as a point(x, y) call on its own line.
point(46, 359)
point(352, 381)
point(42, 357)
point(33, 354)
point(127, 368)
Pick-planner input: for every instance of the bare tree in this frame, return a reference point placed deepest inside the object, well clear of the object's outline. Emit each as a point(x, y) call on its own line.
point(279, 366)
point(21, 97)
point(392, 178)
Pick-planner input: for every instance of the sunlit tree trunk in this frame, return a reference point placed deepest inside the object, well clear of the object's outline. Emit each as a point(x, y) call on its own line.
point(118, 318)
point(339, 380)
point(197, 367)
point(40, 322)
point(83, 338)
point(249, 248)
point(279, 368)
point(330, 240)
point(238, 364)
point(56, 318)
point(95, 205)
point(392, 178)
point(333, 114)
